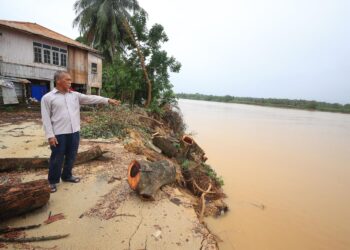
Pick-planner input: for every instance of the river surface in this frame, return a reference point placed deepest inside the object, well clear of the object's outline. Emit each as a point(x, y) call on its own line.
point(286, 174)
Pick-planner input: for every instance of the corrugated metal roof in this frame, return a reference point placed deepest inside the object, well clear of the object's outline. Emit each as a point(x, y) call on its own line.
point(39, 30)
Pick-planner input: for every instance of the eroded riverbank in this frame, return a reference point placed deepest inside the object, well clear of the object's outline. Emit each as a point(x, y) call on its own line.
point(102, 212)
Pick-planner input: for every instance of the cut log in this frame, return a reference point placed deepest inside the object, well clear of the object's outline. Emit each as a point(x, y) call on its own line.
point(147, 177)
point(169, 146)
point(24, 197)
point(191, 150)
point(88, 155)
point(11, 164)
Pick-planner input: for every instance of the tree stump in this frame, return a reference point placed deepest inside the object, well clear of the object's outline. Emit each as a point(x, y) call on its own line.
point(191, 150)
point(147, 177)
point(11, 164)
point(24, 197)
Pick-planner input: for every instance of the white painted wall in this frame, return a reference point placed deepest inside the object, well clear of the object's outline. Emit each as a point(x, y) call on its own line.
point(17, 48)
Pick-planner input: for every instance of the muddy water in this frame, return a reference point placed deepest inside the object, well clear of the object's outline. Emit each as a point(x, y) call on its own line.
point(286, 173)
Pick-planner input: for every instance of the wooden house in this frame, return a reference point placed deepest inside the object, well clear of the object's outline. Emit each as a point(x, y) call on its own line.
point(30, 54)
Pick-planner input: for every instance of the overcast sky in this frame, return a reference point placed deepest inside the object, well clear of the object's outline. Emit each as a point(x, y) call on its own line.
point(298, 49)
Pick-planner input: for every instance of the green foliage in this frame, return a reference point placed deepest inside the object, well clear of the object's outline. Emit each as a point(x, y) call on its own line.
point(103, 125)
point(101, 23)
point(173, 118)
point(213, 175)
point(185, 164)
point(272, 102)
point(9, 108)
point(155, 108)
point(123, 77)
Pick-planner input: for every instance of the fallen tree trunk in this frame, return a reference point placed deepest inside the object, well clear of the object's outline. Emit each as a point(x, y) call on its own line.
point(169, 145)
point(11, 164)
point(147, 177)
point(88, 155)
point(24, 197)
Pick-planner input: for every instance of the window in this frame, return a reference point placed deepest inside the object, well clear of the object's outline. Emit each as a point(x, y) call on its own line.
point(63, 60)
point(37, 54)
point(47, 56)
point(55, 58)
point(93, 68)
point(43, 53)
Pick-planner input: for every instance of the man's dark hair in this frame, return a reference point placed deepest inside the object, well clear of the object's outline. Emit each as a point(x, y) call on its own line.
point(58, 75)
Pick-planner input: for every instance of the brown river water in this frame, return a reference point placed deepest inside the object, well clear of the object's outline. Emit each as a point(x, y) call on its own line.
point(286, 174)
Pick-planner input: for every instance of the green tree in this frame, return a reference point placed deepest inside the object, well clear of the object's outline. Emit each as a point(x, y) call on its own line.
point(126, 78)
point(101, 23)
point(105, 24)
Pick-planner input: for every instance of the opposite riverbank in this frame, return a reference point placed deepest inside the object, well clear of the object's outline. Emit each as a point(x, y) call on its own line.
point(272, 102)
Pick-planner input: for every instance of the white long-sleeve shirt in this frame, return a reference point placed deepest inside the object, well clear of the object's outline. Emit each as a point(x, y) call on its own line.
point(60, 112)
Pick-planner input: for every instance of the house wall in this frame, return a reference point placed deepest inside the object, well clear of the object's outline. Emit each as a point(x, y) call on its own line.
point(94, 79)
point(17, 60)
point(78, 65)
point(17, 56)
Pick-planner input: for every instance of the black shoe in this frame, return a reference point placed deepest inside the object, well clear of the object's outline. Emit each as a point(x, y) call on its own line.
point(72, 179)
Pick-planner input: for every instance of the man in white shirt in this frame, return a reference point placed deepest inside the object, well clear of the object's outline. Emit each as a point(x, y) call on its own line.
point(60, 111)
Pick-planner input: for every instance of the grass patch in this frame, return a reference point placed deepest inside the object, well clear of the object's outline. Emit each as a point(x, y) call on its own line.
point(213, 175)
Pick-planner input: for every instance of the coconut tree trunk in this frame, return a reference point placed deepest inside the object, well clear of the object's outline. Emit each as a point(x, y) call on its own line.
point(142, 61)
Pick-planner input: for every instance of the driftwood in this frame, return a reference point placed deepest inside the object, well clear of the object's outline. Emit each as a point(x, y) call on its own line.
point(147, 177)
point(24, 197)
point(16, 229)
point(34, 239)
point(201, 215)
point(11, 164)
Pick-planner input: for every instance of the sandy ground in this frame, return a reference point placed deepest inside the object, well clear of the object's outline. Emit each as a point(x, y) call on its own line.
point(101, 212)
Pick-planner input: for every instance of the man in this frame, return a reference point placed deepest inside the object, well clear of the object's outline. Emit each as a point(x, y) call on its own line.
point(60, 111)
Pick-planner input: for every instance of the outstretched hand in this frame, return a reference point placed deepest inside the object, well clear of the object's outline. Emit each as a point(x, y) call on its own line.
point(114, 102)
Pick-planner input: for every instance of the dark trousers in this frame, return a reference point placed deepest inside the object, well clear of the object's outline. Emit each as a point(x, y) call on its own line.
point(65, 152)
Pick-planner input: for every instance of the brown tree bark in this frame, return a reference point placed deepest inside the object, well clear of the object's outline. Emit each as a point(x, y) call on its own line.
point(147, 177)
point(169, 145)
point(10, 164)
point(24, 197)
point(142, 61)
point(88, 155)
point(191, 150)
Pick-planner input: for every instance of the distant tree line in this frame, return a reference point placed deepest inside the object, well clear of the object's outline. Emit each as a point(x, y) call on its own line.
point(271, 102)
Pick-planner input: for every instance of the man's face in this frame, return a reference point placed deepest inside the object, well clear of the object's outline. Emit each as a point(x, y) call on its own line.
point(64, 82)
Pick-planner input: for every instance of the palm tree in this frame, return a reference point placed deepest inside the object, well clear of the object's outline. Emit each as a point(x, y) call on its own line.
point(105, 25)
point(101, 22)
